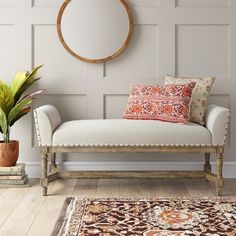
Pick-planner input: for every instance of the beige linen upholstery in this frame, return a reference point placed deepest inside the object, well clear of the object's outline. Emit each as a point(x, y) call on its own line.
point(52, 132)
point(217, 119)
point(130, 132)
point(47, 119)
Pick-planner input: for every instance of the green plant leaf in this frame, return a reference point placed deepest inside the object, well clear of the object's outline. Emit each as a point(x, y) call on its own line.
point(17, 82)
point(23, 84)
point(24, 88)
point(34, 71)
point(21, 113)
point(12, 106)
point(17, 109)
point(3, 122)
point(6, 99)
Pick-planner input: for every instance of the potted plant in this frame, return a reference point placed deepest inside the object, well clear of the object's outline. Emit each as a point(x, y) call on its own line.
point(13, 106)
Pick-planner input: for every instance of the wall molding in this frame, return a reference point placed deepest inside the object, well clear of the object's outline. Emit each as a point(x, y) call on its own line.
point(33, 168)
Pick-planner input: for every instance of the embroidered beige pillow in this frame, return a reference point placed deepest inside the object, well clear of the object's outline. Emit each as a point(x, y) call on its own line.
point(199, 95)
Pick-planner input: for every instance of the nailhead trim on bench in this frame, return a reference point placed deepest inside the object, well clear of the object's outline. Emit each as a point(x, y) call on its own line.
point(133, 145)
point(226, 127)
point(37, 128)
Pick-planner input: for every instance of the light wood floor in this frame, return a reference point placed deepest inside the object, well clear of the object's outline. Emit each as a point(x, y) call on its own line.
point(24, 211)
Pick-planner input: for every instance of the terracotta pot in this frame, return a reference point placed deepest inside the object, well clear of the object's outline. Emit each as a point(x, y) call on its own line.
point(9, 153)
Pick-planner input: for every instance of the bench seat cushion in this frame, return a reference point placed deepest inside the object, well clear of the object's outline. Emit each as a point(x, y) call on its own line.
point(129, 132)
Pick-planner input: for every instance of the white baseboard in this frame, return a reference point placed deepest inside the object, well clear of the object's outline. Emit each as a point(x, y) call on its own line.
point(33, 168)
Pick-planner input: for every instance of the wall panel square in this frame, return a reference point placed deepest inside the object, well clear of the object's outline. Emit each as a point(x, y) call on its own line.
point(140, 58)
point(6, 3)
point(49, 51)
point(7, 52)
point(220, 99)
point(203, 50)
point(114, 105)
point(70, 106)
point(202, 3)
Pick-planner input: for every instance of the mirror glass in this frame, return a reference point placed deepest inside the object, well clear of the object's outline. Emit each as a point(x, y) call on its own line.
point(95, 30)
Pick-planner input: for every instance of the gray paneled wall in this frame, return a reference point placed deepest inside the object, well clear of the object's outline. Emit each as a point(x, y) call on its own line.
point(182, 37)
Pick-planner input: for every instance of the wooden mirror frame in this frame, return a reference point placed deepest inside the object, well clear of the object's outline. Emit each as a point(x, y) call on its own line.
point(116, 54)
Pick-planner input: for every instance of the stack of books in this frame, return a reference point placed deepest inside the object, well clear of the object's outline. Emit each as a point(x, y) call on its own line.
point(13, 176)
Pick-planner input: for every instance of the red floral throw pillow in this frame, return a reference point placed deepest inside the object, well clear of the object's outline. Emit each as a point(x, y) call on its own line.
point(154, 102)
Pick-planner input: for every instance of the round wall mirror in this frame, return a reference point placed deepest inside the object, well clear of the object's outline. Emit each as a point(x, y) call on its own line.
point(95, 30)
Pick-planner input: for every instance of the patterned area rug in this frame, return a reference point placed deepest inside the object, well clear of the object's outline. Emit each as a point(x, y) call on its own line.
point(147, 217)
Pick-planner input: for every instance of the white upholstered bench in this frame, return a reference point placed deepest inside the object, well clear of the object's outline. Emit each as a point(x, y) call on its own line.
point(130, 136)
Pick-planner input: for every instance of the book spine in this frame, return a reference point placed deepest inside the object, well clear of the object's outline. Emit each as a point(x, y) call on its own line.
point(16, 168)
point(4, 173)
point(13, 181)
point(12, 176)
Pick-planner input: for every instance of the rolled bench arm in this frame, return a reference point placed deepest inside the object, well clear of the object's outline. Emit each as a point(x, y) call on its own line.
point(47, 119)
point(217, 121)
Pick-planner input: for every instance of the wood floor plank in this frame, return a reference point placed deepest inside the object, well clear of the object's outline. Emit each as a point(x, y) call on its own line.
point(174, 188)
point(63, 187)
point(151, 188)
point(27, 209)
point(2, 190)
point(198, 188)
point(46, 218)
point(86, 188)
point(9, 199)
point(129, 188)
point(108, 188)
point(229, 190)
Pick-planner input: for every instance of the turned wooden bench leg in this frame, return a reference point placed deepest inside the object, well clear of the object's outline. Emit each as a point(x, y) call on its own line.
point(219, 172)
point(53, 166)
point(44, 171)
point(207, 165)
